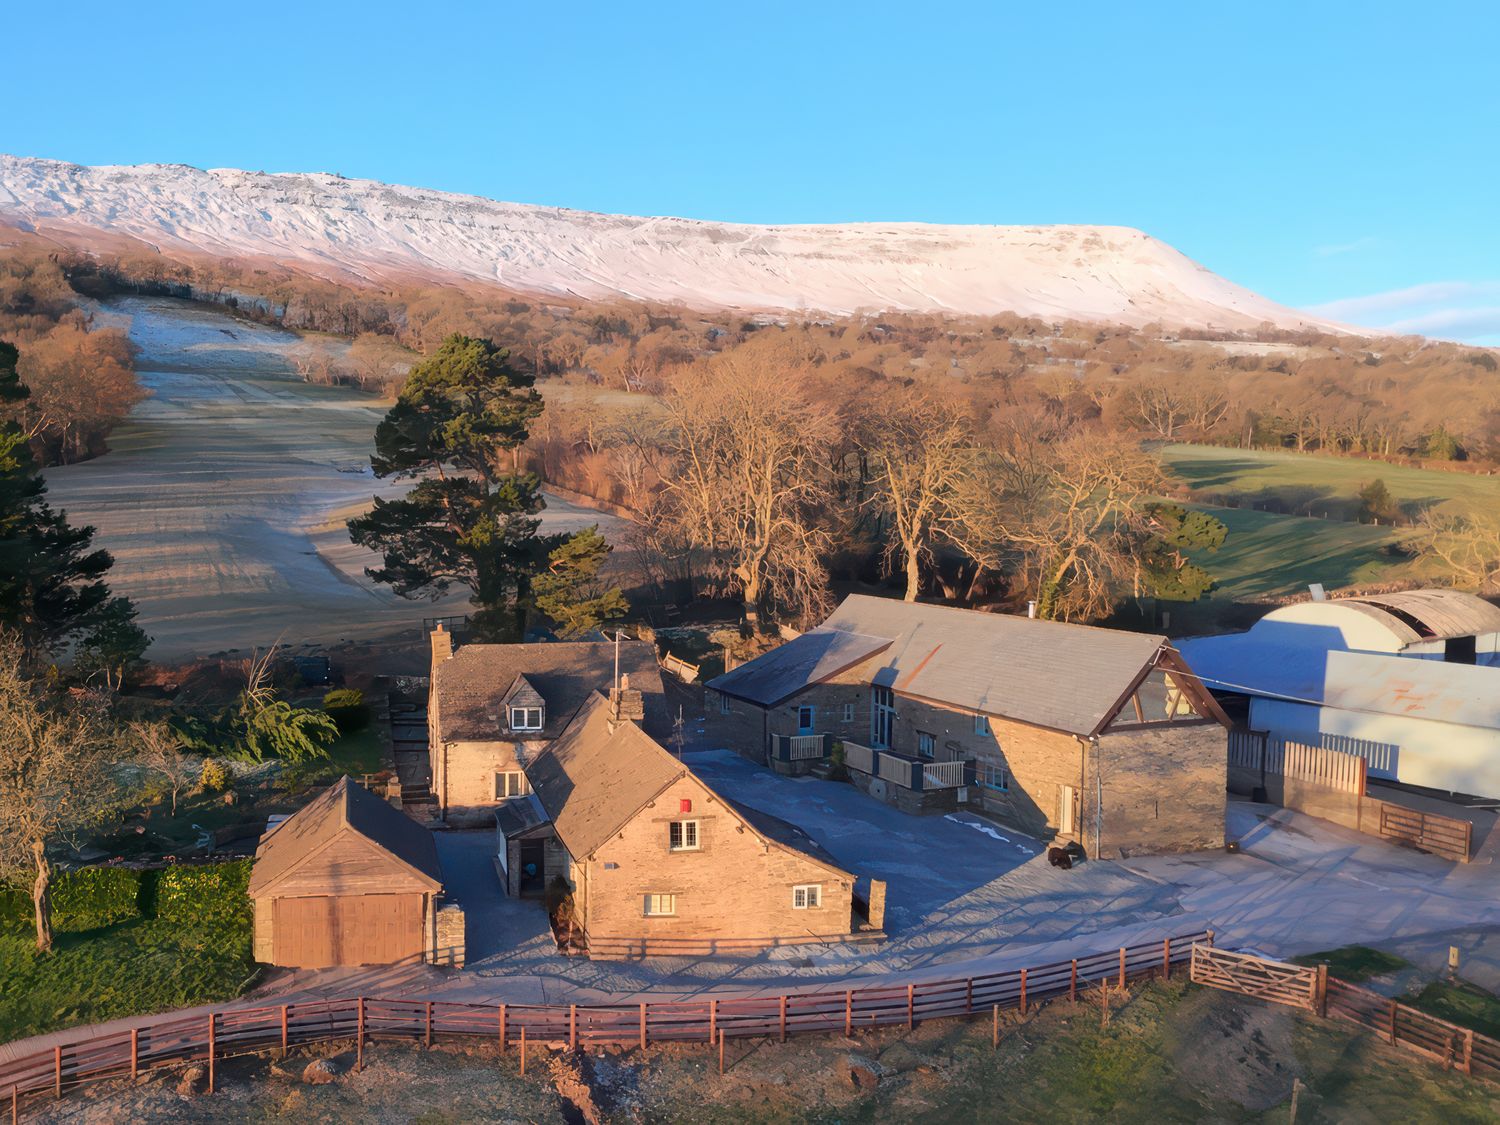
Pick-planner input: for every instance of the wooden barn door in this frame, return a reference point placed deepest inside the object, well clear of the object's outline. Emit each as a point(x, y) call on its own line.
point(320, 931)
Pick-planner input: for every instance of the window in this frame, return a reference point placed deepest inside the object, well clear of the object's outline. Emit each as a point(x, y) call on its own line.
point(882, 715)
point(682, 836)
point(848, 712)
point(510, 783)
point(804, 720)
point(981, 724)
point(994, 777)
point(807, 896)
point(723, 704)
point(926, 744)
point(660, 906)
point(525, 718)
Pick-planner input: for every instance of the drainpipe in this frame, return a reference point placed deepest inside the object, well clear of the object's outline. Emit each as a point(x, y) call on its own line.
point(1098, 794)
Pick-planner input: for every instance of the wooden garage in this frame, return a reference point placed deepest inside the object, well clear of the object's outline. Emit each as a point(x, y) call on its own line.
point(348, 880)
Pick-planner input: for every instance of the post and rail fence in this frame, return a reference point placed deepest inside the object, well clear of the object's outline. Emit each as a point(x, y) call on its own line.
point(206, 1039)
point(1310, 988)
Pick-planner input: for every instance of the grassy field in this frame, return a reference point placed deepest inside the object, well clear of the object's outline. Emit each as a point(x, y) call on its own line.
point(1291, 516)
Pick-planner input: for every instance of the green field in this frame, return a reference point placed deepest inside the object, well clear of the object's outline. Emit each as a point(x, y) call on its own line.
point(1276, 547)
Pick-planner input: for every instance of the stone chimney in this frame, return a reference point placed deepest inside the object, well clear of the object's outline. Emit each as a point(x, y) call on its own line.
point(626, 704)
point(442, 645)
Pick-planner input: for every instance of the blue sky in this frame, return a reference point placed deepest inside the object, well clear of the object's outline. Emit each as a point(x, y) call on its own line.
point(1333, 155)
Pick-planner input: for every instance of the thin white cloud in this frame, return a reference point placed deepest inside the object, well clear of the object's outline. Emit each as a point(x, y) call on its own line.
point(1467, 311)
point(1338, 248)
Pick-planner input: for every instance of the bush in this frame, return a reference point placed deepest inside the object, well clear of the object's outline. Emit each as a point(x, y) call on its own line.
point(215, 777)
point(214, 893)
point(85, 899)
point(348, 709)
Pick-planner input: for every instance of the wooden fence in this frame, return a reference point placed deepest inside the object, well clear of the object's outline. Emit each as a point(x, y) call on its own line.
point(1318, 765)
point(1441, 835)
point(211, 1038)
point(1312, 989)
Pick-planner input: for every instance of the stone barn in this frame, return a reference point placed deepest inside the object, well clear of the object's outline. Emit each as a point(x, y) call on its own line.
point(347, 880)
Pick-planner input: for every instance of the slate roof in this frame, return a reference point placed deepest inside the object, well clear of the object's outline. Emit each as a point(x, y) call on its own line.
point(598, 775)
point(471, 685)
point(784, 832)
point(344, 805)
point(519, 814)
point(1046, 673)
point(787, 669)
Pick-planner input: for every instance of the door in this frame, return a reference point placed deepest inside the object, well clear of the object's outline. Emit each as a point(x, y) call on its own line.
point(1067, 804)
point(882, 712)
point(533, 867)
point(320, 931)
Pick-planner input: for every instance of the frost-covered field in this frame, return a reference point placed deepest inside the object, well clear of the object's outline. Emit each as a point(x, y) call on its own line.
point(223, 495)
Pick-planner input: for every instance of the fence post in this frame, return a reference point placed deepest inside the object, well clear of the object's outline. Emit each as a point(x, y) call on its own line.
point(848, 1013)
point(995, 1028)
point(283, 1029)
point(783, 1017)
point(1320, 998)
point(212, 1050)
point(1122, 966)
point(1023, 992)
point(1166, 958)
point(57, 1061)
point(969, 996)
point(572, 1027)
point(643, 1027)
point(713, 1020)
point(500, 1029)
point(1210, 939)
point(359, 1036)
point(1468, 1052)
point(721, 1052)
point(1073, 983)
point(1392, 1024)
point(135, 1053)
point(427, 1030)
point(523, 1050)
point(15, 1103)
point(911, 1006)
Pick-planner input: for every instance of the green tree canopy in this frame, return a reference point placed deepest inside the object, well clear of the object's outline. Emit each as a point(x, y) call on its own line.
point(52, 586)
point(1376, 504)
point(570, 592)
point(1175, 530)
point(467, 520)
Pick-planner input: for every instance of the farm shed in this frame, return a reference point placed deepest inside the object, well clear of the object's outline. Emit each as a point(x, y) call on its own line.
point(347, 880)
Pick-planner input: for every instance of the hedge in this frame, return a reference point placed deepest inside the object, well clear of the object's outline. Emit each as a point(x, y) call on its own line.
point(91, 897)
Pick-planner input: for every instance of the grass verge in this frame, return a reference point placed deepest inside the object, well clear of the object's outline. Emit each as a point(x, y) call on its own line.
point(1355, 963)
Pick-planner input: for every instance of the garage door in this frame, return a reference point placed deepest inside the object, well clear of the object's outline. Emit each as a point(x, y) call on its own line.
point(325, 930)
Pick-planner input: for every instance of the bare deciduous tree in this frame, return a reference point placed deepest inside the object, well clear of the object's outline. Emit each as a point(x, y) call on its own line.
point(1467, 548)
point(55, 779)
point(160, 751)
point(746, 481)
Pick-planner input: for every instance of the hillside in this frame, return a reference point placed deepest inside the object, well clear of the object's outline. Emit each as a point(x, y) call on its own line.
point(335, 227)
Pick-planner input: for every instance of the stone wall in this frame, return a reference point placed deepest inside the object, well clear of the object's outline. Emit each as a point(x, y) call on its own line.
point(1164, 790)
point(448, 938)
point(463, 777)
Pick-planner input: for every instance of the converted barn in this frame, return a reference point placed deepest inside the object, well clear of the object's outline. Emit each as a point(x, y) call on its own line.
point(492, 708)
point(1097, 737)
point(347, 880)
point(658, 863)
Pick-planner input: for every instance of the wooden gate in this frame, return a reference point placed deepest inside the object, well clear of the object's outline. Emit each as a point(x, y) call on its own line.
point(1279, 983)
point(320, 931)
point(1441, 835)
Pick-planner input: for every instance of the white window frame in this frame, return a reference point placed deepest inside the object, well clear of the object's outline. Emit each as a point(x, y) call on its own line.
point(848, 712)
point(930, 753)
point(810, 727)
point(525, 713)
point(981, 724)
point(724, 704)
point(988, 771)
point(660, 905)
point(503, 788)
point(688, 832)
point(807, 896)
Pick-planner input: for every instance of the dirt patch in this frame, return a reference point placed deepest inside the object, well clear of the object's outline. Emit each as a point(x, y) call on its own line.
point(1240, 1052)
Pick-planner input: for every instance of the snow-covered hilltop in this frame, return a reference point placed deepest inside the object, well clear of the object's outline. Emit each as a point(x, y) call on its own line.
point(332, 226)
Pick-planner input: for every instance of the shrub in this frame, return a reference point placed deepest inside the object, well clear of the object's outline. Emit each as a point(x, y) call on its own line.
point(348, 709)
point(215, 777)
point(214, 893)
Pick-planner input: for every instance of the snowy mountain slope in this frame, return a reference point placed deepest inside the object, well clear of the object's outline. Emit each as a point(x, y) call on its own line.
point(332, 226)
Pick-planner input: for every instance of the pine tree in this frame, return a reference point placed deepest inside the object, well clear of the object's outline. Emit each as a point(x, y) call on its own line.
point(470, 519)
point(51, 579)
point(570, 592)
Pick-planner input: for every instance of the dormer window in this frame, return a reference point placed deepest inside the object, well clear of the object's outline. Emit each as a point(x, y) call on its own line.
point(525, 718)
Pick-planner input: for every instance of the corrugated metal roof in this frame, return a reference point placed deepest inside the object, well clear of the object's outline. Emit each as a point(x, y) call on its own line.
point(1436, 614)
point(787, 669)
point(1465, 694)
point(341, 806)
point(1046, 673)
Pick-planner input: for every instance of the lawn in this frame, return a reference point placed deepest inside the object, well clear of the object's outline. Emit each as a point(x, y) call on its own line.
point(1355, 963)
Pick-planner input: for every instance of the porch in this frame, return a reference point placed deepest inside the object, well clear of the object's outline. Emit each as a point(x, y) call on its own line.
point(796, 754)
point(911, 783)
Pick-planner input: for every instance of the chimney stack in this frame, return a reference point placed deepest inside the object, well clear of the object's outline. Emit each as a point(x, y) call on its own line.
point(442, 645)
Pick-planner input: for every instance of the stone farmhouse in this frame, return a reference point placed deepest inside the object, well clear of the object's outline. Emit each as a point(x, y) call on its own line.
point(492, 708)
point(657, 862)
point(1070, 733)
